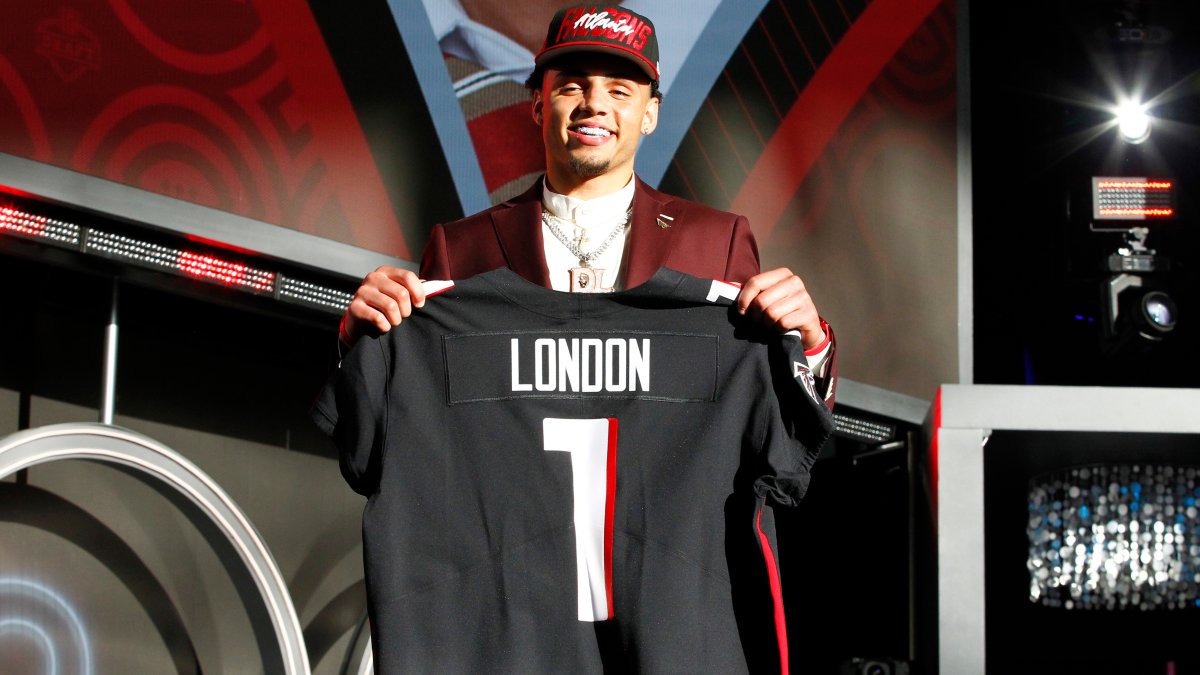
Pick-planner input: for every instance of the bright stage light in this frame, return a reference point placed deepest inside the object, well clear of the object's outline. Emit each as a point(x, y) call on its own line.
point(1133, 123)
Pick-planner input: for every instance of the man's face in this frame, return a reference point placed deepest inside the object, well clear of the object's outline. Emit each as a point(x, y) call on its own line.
point(593, 109)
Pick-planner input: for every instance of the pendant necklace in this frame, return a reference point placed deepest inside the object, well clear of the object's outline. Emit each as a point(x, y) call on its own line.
point(585, 278)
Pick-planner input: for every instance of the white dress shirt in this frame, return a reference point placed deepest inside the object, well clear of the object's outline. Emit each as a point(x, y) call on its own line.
point(596, 218)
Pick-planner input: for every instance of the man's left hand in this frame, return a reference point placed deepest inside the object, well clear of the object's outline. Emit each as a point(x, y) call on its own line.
point(779, 299)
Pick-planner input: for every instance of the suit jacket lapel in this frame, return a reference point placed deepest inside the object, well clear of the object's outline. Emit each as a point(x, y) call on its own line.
point(519, 233)
point(649, 242)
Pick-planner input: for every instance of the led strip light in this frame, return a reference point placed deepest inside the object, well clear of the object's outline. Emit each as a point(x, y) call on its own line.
point(309, 293)
point(20, 222)
point(204, 266)
point(862, 429)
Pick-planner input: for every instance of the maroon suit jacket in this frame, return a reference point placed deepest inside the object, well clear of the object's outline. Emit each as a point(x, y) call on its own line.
point(665, 230)
point(697, 240)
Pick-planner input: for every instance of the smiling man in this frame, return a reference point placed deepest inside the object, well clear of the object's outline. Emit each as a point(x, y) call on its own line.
point(670, 430)
point(590, 225)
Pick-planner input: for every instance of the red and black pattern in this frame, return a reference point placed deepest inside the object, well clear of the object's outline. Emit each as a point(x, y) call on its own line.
point(238, 107)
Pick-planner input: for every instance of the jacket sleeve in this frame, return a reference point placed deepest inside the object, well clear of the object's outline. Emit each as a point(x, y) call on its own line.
point(742, 262)
point(827, 379)
point(435, 260)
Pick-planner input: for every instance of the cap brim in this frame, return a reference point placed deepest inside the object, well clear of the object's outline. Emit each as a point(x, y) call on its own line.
point(547, 55)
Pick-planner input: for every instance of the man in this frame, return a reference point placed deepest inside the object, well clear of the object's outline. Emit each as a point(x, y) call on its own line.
point(500, 473)
point(590, 224)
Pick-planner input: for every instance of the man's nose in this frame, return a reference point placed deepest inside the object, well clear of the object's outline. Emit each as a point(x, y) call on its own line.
point(594, 101)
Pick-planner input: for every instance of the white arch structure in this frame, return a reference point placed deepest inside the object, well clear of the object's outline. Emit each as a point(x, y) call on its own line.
point(39, 635)
point(236, 542)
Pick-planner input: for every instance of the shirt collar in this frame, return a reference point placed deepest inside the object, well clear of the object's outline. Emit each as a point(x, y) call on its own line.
point(598, 210)
point(460, 36)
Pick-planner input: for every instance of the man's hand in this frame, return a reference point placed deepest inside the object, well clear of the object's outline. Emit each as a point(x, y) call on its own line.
point(386, 297)
point(778, 299)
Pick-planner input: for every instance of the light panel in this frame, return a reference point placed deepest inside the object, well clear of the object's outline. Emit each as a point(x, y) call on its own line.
point(1132, 198)
point(862, 429)
point(207, 266)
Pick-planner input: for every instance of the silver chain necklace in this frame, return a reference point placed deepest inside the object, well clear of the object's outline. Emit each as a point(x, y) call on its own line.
point(585, 259)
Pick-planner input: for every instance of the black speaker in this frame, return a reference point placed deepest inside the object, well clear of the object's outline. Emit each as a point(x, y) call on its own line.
point(851, 557)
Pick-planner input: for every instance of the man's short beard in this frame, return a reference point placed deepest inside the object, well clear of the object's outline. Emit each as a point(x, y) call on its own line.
point(588, 168)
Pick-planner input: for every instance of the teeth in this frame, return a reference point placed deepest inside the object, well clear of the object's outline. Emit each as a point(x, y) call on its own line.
point(593, 131)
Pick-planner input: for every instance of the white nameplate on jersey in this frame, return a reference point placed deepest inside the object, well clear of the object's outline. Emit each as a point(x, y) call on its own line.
point(590, 365)
point(588, 280)
point(723, 289)
point(581, 364)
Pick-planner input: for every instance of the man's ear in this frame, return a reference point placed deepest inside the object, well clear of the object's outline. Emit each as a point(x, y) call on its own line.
point(537, 107)
point(650, 117)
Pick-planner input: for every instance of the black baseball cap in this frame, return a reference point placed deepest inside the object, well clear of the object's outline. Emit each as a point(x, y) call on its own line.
point(597, 28)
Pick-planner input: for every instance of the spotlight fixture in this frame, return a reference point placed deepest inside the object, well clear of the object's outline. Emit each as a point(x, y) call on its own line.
point(1133, 122)
point(1133, 308)
point(1136, 305)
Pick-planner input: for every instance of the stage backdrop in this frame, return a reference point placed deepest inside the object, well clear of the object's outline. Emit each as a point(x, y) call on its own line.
point(830, 123)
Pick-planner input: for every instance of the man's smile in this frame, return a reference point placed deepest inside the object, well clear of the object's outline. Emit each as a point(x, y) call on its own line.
point(590, 134)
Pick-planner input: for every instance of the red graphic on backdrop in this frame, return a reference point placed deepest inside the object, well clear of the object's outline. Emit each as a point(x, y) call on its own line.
point(21, 127)
point(231, 105)
point(859, 57)
point(68, 45)
point(206, 44)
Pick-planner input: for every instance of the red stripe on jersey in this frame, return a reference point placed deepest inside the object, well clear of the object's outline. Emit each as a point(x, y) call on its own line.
point(610, 500)
point(776, 592)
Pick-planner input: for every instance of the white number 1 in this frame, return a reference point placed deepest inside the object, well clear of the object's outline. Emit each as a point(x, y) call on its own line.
point(593, 447)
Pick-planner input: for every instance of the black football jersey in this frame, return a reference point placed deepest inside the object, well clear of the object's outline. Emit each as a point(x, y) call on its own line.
point(575, 483)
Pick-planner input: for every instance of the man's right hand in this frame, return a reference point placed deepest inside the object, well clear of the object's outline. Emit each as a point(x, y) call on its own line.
point(386, 297)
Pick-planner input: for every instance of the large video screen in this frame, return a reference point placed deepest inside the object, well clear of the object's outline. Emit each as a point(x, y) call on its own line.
point(230, 121)
point(334, 136)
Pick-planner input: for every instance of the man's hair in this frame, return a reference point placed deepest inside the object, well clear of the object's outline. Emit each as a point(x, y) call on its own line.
point(535, 79)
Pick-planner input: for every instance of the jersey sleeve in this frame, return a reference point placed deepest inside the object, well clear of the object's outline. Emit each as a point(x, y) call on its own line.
point(798, 424)
point(352, 410)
